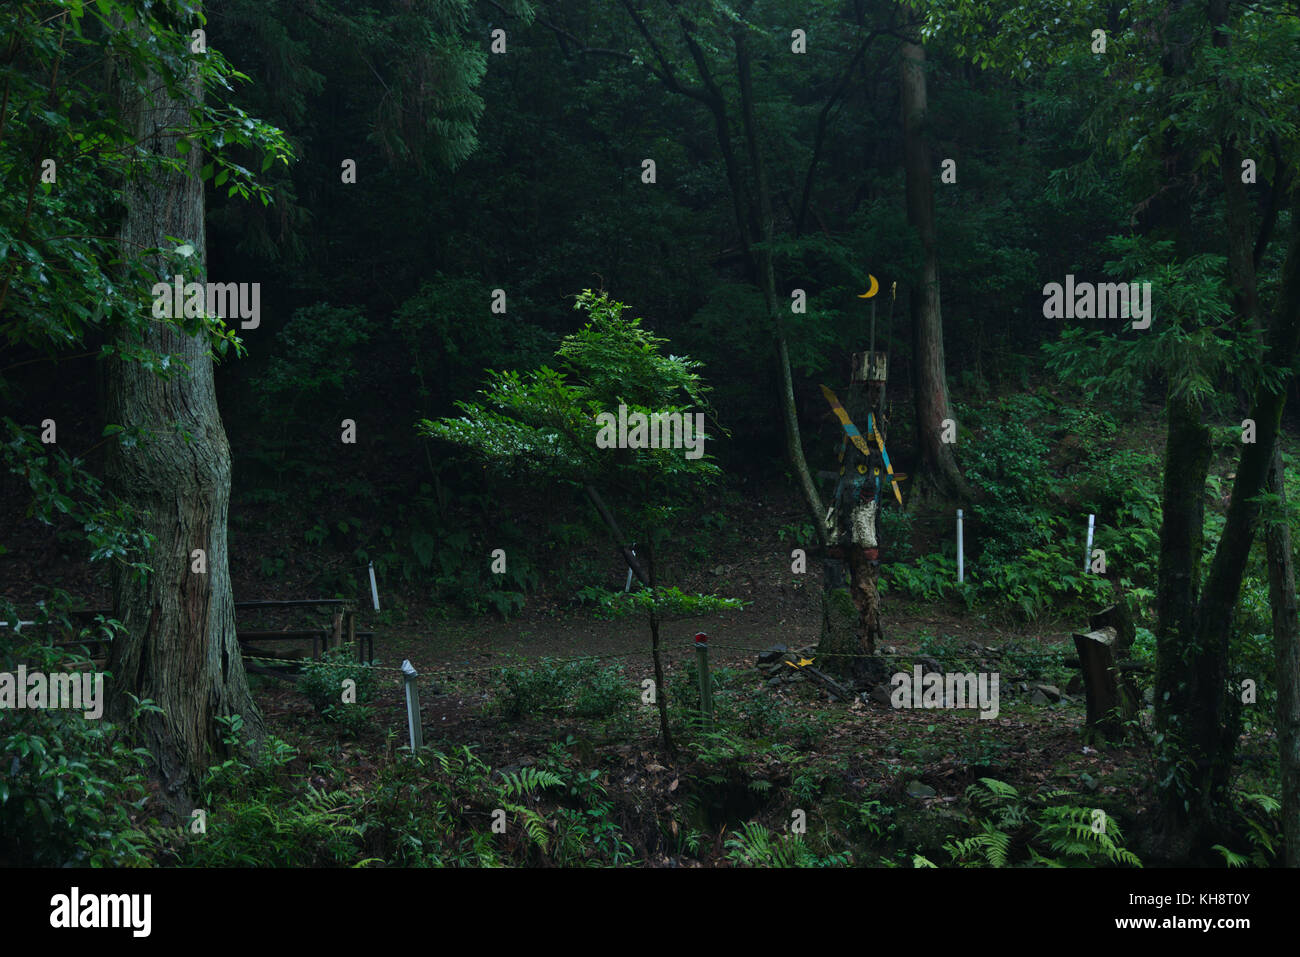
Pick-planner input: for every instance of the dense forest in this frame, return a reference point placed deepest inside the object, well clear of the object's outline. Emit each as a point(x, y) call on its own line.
point(649, 433)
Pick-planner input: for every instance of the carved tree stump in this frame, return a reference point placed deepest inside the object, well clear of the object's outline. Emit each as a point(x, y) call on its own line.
point(1110, 695)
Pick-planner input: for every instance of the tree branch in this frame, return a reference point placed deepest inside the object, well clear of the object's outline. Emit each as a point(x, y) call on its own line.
point(822, 123)
point(564, 34)
point(1281, 183)
point(666, 73)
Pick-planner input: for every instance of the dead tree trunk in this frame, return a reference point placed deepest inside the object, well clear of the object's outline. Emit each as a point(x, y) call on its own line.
point(851, 623)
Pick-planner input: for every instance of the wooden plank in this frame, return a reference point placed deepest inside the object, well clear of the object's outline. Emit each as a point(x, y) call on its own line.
point(296, 603)
point(278, 635)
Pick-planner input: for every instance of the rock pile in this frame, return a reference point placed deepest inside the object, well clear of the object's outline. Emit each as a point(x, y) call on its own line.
point(778, 665)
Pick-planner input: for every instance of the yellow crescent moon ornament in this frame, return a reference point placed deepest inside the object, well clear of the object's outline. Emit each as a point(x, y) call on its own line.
point(875, 288)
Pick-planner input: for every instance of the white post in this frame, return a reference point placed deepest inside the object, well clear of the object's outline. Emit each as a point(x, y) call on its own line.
point(1087, 552)
point(961, 558)
point(628, 586)
point(409, 674)
point(374, 591)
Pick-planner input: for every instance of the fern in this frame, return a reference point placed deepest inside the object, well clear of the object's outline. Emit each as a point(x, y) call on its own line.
point(999, 789)
point(1231, 859)
point(756, 846)
point(534, 825)
point(1069, 831)
point(751, 845)
point(528, 780)
point(1262, 834)
point(1066, 831)
point(991, 845)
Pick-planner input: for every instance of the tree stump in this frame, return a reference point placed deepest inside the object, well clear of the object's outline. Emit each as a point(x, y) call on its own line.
point(1111, 698)
point(842, 650)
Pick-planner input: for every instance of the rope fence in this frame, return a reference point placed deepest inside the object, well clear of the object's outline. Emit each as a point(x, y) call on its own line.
point(702, 644)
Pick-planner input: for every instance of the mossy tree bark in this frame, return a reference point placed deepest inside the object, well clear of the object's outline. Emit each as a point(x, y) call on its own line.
point(179, 646)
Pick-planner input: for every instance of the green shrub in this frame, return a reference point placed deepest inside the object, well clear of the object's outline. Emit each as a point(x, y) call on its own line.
point(256, 816)
point(70, 787)
point(581, 687)
point(323, 683)
point(437, 810)
point(762, 715)
point(527, 690)
point(602, 693)
point(313, 830)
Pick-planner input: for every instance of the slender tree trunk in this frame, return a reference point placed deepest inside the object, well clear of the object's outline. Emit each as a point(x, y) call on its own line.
point(753, 213)
point(767, 283)
point(1286, 652)
point(1178, 693)
point(624, 548)
point(937, 469)
point(661, 691)
point(179, 647)
point(794, 443)
point(1215, 716)
point(1195, 709)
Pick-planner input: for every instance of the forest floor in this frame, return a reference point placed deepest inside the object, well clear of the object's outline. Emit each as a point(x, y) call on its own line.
point(891, 784)
point(865, 774)
point(896, 778)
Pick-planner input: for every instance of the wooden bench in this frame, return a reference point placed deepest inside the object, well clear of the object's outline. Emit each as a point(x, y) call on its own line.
point(342, 630)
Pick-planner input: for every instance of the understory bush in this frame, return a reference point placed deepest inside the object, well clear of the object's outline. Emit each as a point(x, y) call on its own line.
point(325, 683)
point(431, 809)
point(1041, 468)
point(581, 687)
point(71, 787)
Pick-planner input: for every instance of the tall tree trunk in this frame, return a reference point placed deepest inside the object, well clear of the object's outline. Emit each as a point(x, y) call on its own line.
point(1196, 711)
point(937, 467)
point(767, 283)
point(753, 213)
point(1177, 693)
point(1286, 652)
point(1214, 716)
point(179, 647)
point(1184, 804)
